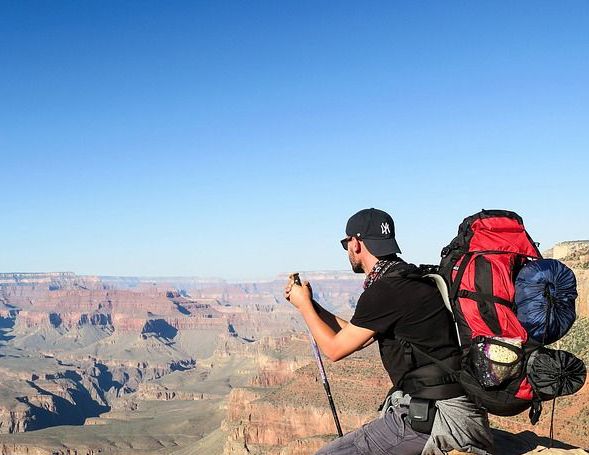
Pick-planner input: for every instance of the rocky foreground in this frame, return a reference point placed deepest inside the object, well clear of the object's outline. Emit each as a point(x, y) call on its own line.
point(290, 415)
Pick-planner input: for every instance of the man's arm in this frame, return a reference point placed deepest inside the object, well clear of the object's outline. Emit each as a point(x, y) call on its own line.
point(335, 343)
point(334, 322)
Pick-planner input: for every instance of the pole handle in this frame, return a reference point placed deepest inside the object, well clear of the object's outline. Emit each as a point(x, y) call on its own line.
point(296, 279)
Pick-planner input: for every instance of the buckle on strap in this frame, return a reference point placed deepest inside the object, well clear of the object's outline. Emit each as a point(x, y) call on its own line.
point(394, 400)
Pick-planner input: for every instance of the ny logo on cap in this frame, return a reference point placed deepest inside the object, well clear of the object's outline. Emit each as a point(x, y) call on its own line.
point(384, 227)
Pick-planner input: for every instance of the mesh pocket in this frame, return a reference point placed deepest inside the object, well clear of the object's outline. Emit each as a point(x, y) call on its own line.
point(496, 360)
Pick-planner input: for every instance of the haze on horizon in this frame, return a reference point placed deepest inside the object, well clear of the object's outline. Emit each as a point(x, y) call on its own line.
point(233, 140)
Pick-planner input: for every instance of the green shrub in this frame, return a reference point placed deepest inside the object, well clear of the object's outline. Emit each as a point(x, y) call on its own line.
point(577, 340)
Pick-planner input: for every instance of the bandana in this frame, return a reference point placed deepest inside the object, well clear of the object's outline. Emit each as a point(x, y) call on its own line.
point(379, 269)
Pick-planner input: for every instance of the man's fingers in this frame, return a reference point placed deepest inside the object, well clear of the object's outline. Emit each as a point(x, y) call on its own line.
point(288, 289)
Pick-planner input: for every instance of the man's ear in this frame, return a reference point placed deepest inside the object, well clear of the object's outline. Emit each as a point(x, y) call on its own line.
point(357, 246)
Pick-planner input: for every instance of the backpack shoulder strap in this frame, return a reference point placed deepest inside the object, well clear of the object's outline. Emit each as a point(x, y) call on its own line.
point(443, 288)
point(411, 271)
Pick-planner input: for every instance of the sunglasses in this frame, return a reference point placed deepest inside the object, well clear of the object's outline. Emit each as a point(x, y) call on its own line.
point(345, 241)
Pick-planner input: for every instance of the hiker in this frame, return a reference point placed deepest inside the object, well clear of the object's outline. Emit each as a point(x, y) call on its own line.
point(426, 411)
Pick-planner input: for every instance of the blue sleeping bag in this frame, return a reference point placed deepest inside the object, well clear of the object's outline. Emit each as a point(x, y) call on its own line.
point(545, 293)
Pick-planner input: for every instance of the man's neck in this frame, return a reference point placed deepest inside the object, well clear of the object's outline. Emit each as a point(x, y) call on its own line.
point(369, 264)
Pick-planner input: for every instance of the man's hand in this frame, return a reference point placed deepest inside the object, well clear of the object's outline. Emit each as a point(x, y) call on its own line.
point(336, 338)
point(299, 296)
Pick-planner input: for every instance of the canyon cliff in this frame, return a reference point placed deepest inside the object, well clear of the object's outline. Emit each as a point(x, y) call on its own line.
point(159, 364)
point(73, 348)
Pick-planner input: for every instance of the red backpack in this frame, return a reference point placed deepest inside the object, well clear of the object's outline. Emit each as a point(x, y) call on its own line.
point(480, 266)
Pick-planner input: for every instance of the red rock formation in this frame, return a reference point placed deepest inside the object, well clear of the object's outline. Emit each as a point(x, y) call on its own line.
point(293, 414)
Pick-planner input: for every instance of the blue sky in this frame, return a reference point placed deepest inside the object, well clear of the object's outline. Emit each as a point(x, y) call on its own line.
point(234, 139)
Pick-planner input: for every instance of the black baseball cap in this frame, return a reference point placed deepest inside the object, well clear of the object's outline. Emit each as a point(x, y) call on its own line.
point(376, 229)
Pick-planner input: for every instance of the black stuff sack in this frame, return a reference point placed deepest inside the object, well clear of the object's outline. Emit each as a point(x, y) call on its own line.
point(545, 293)
point(553, 373)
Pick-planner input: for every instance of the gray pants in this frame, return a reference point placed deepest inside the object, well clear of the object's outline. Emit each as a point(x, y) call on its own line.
point(388, 435)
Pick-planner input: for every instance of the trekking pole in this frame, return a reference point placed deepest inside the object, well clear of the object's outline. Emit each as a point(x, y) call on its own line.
point(296, 279)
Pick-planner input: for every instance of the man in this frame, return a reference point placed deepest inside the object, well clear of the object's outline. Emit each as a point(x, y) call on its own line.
point(426, 411)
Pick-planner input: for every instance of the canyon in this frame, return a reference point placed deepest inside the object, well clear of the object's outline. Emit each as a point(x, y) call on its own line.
point(189, 365)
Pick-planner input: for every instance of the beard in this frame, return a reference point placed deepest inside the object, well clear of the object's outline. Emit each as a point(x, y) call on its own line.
point(355, 263)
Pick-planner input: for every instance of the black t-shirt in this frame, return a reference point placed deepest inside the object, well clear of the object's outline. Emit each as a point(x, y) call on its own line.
point(408, 308)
